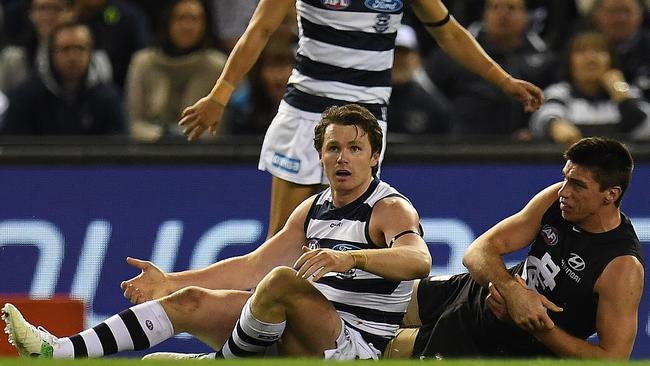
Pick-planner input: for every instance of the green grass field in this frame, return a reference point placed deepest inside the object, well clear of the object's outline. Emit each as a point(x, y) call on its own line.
point(311, 362)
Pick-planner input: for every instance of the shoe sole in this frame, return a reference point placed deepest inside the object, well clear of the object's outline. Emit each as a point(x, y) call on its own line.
point(8, 327)
point(7, 310)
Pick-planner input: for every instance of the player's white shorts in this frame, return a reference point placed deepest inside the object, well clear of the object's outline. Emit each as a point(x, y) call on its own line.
point(350, 345)
point(288, 150)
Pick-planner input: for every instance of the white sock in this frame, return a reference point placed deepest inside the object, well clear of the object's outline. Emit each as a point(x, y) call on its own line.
point(251, 336)
point(139, 327)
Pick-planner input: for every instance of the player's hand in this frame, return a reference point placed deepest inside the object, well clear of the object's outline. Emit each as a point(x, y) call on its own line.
point(497, 304)
point(318, 262)
point(204, 115)
point(150, 284)
point(530, 96)
point(528, 309)
point(564, 132)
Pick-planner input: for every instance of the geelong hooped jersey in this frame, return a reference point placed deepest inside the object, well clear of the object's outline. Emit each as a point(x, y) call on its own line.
point(565, 261)
point(365, 301)
point(345, 54)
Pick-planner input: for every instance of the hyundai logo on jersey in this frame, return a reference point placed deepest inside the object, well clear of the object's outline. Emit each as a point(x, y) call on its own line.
point(387, 6)
point(549, 234)
point(336, 4)
point(576, 262)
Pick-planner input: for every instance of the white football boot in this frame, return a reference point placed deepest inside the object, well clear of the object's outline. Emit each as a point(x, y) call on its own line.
point(28, 339)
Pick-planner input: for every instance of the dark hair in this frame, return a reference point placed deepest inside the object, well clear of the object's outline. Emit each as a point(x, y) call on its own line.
point(165, 19)
point(597, 3)
point(609, 161)
point(350, 115)
point(588, 36)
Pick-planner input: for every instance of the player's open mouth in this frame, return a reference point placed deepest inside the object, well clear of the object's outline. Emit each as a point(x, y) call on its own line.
point(343, 173)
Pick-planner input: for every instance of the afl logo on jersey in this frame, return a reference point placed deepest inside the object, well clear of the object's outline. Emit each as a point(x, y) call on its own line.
point(576, 262)
point(336, 4)
point(549, 234)
point(385, 6)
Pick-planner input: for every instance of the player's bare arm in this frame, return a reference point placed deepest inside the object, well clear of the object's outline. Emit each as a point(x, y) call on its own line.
point(462, 47)
point(619, 290)
point(207, 112)
point(408, 257)
point(282, 249)
point(484, 261)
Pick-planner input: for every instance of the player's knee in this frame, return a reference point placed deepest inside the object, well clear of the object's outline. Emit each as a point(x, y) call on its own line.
point(189, 298)
point(279, 282)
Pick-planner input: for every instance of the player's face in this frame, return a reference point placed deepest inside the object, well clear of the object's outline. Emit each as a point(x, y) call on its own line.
point(347, 158)
point(581, 199)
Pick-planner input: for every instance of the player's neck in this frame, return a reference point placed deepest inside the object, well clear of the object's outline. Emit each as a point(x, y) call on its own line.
point(342, 197)
point(603, 221)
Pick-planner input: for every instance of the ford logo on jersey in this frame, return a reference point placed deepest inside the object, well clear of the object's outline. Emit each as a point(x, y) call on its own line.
point(343, 247)
point(387, 6)
point(336, 4)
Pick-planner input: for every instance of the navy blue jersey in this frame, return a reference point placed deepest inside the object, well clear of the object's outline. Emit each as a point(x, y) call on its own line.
point(563, 264)
point(565, 261)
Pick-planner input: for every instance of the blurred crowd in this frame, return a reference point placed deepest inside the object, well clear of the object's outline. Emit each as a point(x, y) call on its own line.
point(118, 67)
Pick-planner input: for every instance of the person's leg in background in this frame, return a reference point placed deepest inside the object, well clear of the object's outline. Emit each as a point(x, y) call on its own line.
point(285, 197)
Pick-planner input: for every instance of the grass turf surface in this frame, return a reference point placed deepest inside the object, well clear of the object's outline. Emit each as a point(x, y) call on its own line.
point(311, 362)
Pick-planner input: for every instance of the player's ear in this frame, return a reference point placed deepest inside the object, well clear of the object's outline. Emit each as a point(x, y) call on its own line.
point(374, 159)
point(612, 194)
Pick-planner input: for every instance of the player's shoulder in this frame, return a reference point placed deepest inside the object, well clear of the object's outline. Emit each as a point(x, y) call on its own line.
point(394, 207)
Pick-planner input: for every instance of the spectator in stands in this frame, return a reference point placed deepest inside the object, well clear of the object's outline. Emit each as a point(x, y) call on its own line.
point(16, 62)
point(65, 96)
point(621, 23)
point(4, 104)
point(2, 24)
point(165, 79)
point(230, 19)
point(594, 99)
point(551, 19)
point(267, 83)
point(477, 107)
point(416, 106)
point(118, 27)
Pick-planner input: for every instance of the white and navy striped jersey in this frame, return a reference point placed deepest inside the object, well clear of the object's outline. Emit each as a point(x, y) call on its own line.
point(366, 302)
point(345, 54)
point(593, 115)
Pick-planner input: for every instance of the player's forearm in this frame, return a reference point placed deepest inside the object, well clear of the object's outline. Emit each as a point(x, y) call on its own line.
point(267, 18)
point(457, 42)
point(565, 345)
point(402, 263)
point(486, 265)
point(232, 273)
point(241, 60)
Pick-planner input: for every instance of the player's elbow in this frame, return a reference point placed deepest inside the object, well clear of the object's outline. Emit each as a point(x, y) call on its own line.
point(422, 267)
point(470, 258)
